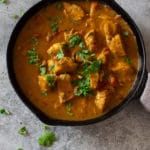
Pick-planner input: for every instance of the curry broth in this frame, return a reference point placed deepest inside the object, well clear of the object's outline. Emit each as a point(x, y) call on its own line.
point(27, 75)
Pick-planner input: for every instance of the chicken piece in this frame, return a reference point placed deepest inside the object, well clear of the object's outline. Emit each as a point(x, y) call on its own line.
point(94, 78)
point(64, 65)
point(110, 30)
point(116, 46)
point(90, 40)
point(65, 88)
point(53, 50)
point(93, 7)
point(102, 99)
point(123, 70)
point(73, 11)
point(43, 83)
point(104, 55)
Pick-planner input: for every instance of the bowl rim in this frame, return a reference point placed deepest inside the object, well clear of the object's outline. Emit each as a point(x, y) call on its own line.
point(135, 92)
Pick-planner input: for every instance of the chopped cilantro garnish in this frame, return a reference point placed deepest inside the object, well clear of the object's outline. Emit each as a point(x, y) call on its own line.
point(91, 67)
point(42, 69)
point(126, 33)
point(47, 139)
point(46, 127)
point(23, 131)
point(83, 87)
point(74, 40)
point(4, 111)
point(3, 1)
point(50, 79)
point(60, 54)
point(68, 106)
point(127, 60)
point(85, 55)
point(34, 39)
point(52, 67)
point(54, 26)
point(15, 16)
point(73, 21)
point(33, 57)
point(82, 45)
point(59, 6)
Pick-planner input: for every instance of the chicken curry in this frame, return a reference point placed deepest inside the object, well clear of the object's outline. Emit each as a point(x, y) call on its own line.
point(76, 60)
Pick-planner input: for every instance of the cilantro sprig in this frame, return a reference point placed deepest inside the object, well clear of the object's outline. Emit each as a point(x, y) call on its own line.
point(33, 56)
point(68, 106)
point(23, 131)
point(47, 138)
point(74, 40)
point(4, 112)
point(83, 87)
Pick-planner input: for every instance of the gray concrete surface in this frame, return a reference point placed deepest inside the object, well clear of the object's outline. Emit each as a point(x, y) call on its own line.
point(128, 130)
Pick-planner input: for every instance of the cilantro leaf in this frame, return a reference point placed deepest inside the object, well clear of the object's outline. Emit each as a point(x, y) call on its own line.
point(126, 33)
point(85, 55)
point(52, 67)
point(4, 111)
point(68, 106)
point(3, 1)
point(127, 60)
point(83, 87)
point(74, 40)
point(20, 149)
point(23, 131)
point(54, 26)
point(59, 6)
point(50, 79)
point(47, 139)
point(91, 67)
point(33, 57)
point(46, 127)
point(60, 54)
point(42, 69)
point(82, 45)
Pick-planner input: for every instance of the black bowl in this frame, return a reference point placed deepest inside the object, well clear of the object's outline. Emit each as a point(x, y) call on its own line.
point(135, 92)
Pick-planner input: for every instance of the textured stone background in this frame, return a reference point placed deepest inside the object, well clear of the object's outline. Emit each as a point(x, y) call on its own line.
point(128, 130)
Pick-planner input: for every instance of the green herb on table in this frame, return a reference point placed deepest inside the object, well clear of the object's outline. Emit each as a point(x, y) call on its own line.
point(15, 16)
point(23, 131)
point(126, 33)
point(42, 69)
point(54, 26)
point(4, 112)
point(21, 12)
point(74, 40)
point(50, 79)
point(59, 6)
point(68, 106)
point(60, 54)
point(46, 128)
point(20, 149)
point(127, 60)
point(3, 1)
point(85, 55)
point(83, 87)
point(33, 56)
point(47, 138)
